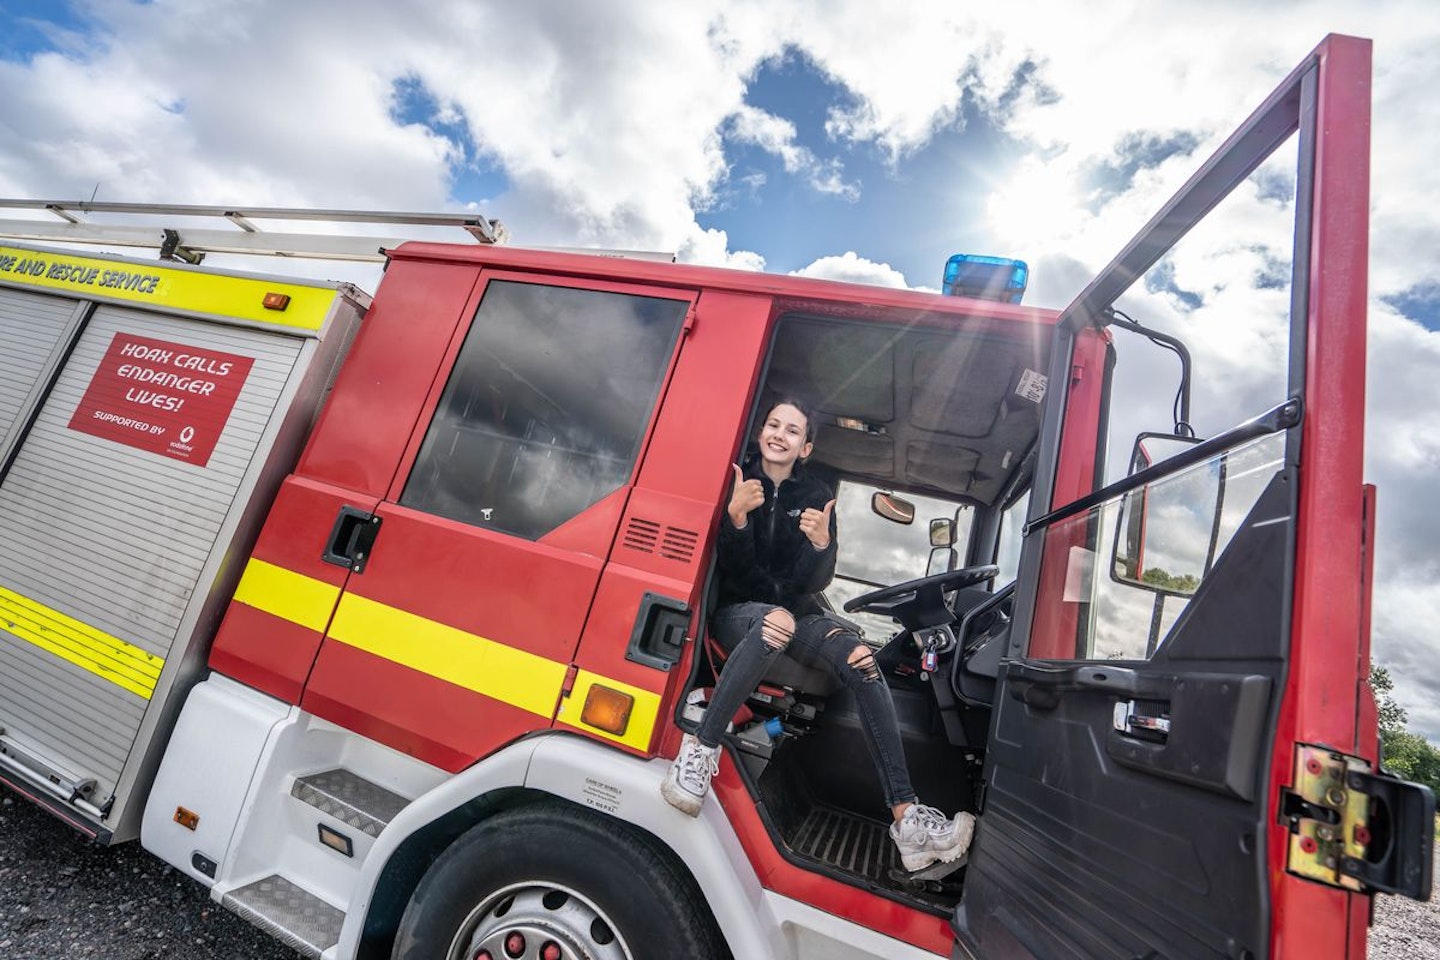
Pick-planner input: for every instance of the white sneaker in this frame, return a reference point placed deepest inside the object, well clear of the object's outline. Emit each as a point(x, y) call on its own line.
point(924, 835)
point(688, 781)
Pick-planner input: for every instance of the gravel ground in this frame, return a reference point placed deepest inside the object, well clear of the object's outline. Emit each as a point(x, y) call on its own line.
point(1405, 929)
point(62, 898)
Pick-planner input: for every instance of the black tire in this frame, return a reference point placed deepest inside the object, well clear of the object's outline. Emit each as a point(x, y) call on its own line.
point(556, 874)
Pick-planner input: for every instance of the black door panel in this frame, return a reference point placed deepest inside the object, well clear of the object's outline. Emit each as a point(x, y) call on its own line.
point(1095, 841)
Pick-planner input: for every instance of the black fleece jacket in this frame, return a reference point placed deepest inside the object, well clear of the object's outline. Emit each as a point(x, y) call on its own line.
point(769, 560)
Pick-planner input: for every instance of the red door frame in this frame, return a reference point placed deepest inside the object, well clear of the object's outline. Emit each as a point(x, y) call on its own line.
point(1326, 99)
point(427, 567)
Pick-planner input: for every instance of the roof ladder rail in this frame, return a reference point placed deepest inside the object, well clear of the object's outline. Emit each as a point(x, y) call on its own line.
point(175, 241)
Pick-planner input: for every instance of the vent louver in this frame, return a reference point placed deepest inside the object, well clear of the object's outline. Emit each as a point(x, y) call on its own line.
point(678, 544)
point(672, 543)
point(642, 535)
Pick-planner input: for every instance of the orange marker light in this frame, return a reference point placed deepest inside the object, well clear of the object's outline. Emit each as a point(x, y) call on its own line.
point(188, 819)
point(276, 301)
point(607, 709)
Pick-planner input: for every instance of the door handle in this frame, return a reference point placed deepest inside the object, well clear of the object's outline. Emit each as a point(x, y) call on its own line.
point(1129, 720)
point(351, 539)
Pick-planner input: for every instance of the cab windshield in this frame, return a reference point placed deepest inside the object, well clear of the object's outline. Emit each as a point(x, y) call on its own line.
point(876, 552)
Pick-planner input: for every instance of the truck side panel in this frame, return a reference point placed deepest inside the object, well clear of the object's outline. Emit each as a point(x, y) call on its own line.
point(141, 457)
point(271, 634)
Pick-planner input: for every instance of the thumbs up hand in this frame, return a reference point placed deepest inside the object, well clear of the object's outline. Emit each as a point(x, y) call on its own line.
point(815, 524)
point(745, 496)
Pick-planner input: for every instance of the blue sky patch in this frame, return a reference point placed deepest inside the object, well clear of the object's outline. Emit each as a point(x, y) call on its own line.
point(473, 177)
point(1161, 279)
point(1135, 152)
point(30, 27)
point(1420, 303)
point(1275, 271)
point(912, 215)
point(1274, 185)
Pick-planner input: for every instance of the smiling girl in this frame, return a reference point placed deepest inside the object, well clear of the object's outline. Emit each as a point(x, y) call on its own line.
point(777, 545)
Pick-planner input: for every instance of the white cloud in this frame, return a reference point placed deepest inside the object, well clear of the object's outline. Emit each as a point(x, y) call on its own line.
point(712, 248)
point(777, 136)
point(853, 268)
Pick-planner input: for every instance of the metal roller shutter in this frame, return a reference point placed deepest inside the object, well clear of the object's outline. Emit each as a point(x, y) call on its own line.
point(31, 328)
point(104, 546)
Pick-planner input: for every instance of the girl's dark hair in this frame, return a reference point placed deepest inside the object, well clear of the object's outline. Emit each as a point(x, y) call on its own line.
point(805, 410)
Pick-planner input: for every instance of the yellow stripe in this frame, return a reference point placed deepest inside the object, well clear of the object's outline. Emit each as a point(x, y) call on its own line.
point(642, 715)
point(500, 672)
point(493, 669)
point(109, 658)
point(287, 594)
point(195, 291)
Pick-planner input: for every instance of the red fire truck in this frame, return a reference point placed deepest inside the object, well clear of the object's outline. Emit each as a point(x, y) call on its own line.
point(382, 619)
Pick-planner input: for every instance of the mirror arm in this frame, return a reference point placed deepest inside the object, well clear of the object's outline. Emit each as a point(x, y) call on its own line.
point(1182, 413)
point(1283, 417)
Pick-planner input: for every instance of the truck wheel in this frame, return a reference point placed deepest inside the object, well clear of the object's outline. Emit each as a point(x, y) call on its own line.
point(555, 882)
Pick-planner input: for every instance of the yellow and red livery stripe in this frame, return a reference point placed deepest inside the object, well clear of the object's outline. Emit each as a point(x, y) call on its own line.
point(109, 658)
point(496, 670)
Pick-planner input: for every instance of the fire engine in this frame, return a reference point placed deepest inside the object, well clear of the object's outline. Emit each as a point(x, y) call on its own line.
point(382, 619)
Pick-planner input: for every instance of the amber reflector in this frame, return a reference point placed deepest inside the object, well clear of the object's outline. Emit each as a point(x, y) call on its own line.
point(188, 819)
point(276, 301)
point(336, 840)
point(607, 709)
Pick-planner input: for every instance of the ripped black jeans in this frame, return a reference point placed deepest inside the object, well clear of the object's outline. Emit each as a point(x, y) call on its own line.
point(818, 641)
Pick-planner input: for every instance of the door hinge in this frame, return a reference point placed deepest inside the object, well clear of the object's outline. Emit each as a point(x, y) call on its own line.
point(1356, 829)
point(566, 686)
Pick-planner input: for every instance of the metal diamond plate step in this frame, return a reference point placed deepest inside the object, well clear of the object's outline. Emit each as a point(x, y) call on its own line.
point(349, 798)
point(279, 907)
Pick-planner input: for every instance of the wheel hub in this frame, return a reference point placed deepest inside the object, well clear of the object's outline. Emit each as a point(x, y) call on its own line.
point(538, 921)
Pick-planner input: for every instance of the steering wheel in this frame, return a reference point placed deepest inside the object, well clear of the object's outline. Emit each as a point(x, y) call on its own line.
point(920, 603)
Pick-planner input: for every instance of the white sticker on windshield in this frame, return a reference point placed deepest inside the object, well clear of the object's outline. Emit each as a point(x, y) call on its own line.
point(1032, 385)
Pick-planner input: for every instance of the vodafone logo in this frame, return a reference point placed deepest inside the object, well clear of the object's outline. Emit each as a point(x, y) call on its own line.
point(187, 434)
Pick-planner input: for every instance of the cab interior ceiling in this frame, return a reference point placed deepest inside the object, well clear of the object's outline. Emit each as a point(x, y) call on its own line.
point(922, 409)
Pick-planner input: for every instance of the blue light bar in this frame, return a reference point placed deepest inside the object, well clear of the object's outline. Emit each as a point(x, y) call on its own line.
point(988, 278)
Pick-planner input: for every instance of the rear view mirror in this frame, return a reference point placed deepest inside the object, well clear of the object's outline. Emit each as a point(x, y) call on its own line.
point(1152, 448)
point(942, 532)
point(893, 508)
point(1165, 540)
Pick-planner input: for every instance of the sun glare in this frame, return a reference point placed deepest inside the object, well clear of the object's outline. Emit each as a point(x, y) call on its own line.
point(1036, 211)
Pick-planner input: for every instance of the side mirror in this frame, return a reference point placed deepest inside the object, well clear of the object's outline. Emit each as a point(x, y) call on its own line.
point(1152, 448)
point(942, 532)
point(941, 560)
point(893, 508)
point(1165, 539)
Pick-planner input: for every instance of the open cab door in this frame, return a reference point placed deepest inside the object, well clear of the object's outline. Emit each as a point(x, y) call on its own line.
point(1183, 757)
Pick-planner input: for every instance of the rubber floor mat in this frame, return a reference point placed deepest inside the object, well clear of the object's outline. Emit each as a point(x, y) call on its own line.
point(863, 848)
point(847, 842)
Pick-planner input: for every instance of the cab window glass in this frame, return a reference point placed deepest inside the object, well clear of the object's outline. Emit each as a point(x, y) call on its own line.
point(1133, 563)
point(1012, 527)
point(546, 408)
point(875, 552)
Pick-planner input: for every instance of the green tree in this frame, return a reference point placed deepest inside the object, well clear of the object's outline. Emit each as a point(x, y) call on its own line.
point(1411, 757)
point(1186, 583)
point(1392, 715)
point(1407, 755)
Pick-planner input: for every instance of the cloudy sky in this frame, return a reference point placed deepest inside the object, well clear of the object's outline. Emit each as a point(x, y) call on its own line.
point(825, 138)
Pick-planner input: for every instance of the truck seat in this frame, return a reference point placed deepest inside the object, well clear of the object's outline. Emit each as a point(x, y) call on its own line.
point(785, 672)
